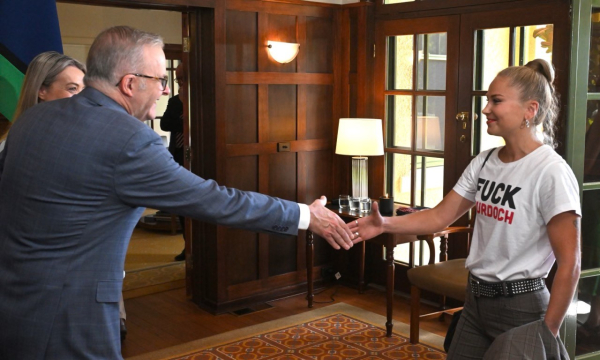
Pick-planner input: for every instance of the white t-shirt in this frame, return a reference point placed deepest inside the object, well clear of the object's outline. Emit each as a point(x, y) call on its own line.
point(514, 202)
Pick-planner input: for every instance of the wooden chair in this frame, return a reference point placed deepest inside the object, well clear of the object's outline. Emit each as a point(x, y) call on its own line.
point(447, 277)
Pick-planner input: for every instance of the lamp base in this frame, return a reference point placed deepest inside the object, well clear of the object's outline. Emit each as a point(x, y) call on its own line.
point(360, 185)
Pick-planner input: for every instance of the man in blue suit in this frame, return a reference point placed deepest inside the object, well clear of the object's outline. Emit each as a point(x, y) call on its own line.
point(75, 176)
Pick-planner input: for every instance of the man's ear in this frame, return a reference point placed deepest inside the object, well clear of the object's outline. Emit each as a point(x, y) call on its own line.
point(126, 85)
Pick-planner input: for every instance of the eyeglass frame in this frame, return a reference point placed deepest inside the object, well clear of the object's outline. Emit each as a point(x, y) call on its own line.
point(163, 81)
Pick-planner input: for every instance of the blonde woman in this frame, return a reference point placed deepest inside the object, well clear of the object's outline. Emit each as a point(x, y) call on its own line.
point(49, 76)
point(528, 218)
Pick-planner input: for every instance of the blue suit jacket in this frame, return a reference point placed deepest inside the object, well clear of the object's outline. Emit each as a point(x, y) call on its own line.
point(74, 178)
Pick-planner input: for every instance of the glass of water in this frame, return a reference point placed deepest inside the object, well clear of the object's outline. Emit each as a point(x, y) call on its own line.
point(354, 204)
point(365, 205)
point(344, 202)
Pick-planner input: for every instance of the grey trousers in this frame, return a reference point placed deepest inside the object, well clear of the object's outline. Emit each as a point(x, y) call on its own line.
point(483, 319)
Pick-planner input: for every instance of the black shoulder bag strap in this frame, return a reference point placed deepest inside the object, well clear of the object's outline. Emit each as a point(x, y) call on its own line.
point(487, 157)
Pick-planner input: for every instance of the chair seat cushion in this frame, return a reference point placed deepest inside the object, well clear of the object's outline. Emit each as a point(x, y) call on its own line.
point(447, 278)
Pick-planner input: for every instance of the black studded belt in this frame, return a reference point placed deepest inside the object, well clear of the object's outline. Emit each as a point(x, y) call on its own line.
point(504, 288)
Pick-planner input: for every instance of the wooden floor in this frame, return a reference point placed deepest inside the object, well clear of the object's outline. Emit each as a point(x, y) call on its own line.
point(169, 318)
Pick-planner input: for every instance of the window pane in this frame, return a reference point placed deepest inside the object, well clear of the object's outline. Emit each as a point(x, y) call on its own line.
point(400, 63)
point(591, 168)
point(590, 230)
point(479, 128)
point(401, 186)
point(402, 253)
point(430, 122)
point(429, 185)
point(594, 77)
point(588, 338)
point(493, 53)
point(533, 42)
point(400, 111)
point(432, 61)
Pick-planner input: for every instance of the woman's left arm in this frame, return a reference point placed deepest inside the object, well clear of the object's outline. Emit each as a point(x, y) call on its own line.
point(564, 234)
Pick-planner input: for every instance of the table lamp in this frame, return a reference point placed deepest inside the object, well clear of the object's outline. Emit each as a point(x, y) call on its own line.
point(360, 138)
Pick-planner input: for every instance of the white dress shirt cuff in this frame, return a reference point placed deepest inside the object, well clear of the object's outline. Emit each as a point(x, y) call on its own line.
point(304, 217)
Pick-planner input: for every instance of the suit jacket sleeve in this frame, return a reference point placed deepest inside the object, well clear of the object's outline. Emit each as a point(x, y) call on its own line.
point(171, 119)
point(146, 175)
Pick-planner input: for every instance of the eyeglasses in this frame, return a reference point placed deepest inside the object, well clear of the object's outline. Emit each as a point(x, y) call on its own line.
point(163, 81)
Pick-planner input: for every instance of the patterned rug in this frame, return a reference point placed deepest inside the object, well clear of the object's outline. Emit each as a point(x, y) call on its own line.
point(339, 331)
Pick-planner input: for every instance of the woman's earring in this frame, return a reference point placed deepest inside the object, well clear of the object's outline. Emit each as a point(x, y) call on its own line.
point(525, 124)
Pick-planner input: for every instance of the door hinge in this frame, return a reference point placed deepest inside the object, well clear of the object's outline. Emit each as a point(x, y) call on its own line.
point(186, 44)
point(188, 153)
point(373, 50)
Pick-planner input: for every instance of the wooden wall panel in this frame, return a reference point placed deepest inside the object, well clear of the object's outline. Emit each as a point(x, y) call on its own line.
point(282, 175)
point(242, 246)
point(282, 255)
point(282, 184)
point(280, 28)
point(282, 113)
point(265, 103)
point(319, 112)
point(318, 50)
point(242, 255)
point(319, 163)
point(241, 119)
point(242, 40)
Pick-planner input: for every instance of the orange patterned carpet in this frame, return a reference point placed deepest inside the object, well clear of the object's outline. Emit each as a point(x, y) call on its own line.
point(332, 337)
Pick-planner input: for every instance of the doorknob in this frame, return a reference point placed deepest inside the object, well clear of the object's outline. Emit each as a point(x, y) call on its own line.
point(462, 116)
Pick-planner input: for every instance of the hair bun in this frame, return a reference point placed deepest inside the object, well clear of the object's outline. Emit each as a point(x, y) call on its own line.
point(543, 67)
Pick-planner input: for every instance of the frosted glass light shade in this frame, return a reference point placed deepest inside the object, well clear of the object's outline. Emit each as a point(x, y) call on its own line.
point(283, 52)
point(362, 137)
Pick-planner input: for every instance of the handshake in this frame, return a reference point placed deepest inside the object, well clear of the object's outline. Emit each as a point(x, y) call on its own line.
point(332, 228)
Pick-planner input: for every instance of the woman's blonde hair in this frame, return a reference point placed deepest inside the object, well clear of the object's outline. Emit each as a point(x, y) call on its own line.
point(42, 71)
point(4, 126)
point(535, 82)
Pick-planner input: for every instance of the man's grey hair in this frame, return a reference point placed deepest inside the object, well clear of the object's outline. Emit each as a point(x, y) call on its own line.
point(118, 51)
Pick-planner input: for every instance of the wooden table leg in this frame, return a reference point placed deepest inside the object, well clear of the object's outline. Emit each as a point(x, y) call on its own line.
point(389, 256)
point(310, 253)
point(361, 270)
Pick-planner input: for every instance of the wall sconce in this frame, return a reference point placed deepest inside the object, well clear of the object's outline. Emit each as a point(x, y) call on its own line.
point(282, 52)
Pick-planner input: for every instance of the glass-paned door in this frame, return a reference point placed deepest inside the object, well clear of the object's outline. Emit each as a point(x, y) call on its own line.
point(584, 157)
point(432, 75)
point(419, 99)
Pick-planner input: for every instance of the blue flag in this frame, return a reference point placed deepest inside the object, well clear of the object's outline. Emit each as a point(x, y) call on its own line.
point(27, 28)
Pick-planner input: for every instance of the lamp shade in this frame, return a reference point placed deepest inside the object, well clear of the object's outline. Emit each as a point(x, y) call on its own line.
point(359, 137)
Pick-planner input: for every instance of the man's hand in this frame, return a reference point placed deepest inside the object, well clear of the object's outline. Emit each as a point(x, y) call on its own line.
point(329, 225)
point(368, 227)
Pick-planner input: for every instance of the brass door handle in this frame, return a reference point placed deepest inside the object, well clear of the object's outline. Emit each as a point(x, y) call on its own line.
point(462, 116)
